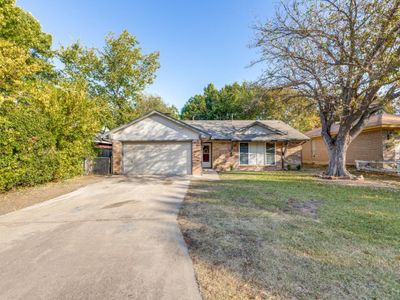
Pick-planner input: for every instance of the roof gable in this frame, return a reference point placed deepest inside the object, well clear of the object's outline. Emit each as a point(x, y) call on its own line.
point(259, 128)
point(262, 130)
point(155, 126)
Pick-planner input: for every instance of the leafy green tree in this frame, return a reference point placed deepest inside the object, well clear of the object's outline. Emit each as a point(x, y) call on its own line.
point(74, 120)
point(24, 49)
point(249, 101)
point(117, 74)
point(47, 135)
point(47, 123)
point(195, 108)
point(16, 66)
point(147, 103)
point(22, 29)
point(213, 104)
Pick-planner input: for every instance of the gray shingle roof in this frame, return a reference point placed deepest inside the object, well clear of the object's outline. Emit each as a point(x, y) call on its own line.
point(231, 130)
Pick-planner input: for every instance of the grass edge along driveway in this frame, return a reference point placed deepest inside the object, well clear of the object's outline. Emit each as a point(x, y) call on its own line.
point(290, 235)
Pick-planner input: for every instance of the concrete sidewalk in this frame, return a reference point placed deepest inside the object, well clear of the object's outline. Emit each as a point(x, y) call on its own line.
point(115, 239)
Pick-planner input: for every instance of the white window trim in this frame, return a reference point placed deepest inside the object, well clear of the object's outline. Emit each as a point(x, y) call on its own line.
point(265, 154)
point(248, 156)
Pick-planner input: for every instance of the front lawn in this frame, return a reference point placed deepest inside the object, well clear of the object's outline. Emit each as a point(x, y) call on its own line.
point(291, 235)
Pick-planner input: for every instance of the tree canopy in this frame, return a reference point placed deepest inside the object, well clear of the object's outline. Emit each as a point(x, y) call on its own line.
point(146, 103)
point(49, 116)
point(343, 56)
point(117, 74)
point(22, 29)
point(250, 101)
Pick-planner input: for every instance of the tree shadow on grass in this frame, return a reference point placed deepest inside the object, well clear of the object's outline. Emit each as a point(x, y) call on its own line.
point(267, 251)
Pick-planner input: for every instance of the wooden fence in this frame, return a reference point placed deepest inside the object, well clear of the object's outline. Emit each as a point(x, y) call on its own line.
point(97, 165)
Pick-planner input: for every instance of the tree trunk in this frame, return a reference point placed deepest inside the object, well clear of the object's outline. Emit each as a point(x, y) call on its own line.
point(337, 159)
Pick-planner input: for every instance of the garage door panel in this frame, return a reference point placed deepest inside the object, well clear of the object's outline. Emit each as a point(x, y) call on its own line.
point(157, 158)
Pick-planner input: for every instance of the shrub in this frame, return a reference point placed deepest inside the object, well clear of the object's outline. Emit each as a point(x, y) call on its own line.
point(47, 136)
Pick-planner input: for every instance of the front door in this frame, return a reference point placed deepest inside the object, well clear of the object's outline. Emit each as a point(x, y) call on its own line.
point(206, 163)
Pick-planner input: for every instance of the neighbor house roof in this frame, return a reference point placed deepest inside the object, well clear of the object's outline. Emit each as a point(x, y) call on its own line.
point(384, 120)
point(100, 137)
point(235, 130)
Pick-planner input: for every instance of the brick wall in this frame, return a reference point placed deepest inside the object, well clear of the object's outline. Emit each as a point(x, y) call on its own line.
point(307, 152)
point(367, 146)
point(196, 158)
point(116, 157)
point(225, 157)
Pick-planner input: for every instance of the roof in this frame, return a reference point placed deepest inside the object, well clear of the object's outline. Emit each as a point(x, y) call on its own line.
point(100, 137)
point(232, 130)
point(155, 112)
point(235, 130)
point(384, 120)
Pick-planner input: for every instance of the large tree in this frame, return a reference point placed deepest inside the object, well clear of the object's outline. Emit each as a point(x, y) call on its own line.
point(231, 101)
point(342, 55)
point(250, 101)
point(117, 74)
point(47, 123)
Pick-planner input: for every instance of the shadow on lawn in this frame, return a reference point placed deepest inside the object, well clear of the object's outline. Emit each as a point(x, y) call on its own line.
point(253, 249)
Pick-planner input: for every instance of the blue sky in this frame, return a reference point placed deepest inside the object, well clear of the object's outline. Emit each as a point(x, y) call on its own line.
point(199, 41)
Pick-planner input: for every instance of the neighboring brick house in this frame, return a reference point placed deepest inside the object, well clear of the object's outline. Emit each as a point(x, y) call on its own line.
point(159, 144)
point(379, 141)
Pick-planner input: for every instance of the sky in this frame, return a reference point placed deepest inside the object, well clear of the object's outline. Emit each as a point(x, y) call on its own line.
point(200, 42)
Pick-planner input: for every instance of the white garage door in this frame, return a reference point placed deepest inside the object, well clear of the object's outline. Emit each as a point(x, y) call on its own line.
point(165, 158)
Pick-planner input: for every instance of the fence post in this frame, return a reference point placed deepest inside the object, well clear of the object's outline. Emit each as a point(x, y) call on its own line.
point(398, 167)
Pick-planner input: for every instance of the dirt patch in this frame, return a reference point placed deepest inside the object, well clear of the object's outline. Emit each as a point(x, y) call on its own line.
point(307, 208)
point(118, 204)
point(383, 182)
point(372, 180)
point(243, 200)
point(23, 197)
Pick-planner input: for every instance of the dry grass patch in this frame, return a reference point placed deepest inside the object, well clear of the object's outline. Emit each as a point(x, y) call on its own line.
point(27, 196)
point(289, 235)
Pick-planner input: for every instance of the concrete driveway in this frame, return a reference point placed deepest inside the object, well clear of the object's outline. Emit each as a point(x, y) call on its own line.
point(115, 239)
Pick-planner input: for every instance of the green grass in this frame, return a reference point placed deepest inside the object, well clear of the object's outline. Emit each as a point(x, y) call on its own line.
point(252, 235)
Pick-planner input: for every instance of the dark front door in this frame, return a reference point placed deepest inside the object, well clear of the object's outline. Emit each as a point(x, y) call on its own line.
point(206, 163)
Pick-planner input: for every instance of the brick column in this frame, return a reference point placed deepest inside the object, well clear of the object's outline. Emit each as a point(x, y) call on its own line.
point(116, 157)
point(196, 158)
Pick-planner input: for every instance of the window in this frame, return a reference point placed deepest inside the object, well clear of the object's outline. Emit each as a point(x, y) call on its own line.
point(270, 154)
point(244, 154)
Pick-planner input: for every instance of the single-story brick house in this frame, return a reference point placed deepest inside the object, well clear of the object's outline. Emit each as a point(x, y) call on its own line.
point(379, 141)
point(156, 143)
